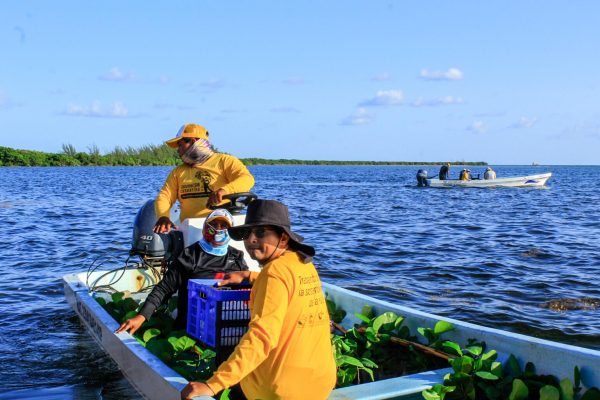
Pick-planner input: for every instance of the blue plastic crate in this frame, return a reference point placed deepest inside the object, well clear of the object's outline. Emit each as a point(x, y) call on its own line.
point(217, 316)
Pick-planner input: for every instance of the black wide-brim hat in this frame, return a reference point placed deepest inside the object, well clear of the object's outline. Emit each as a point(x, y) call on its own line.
point(270, 213)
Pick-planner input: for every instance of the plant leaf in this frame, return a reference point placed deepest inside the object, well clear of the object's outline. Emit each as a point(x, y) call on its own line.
point(512, 366)
point(549, 393)
point(592, 394)
point(442, 327)
point(348, 360)
point(384, 319)
point(577, 376)
point(184, 343)
point(429, 394)
point(496, 369)
point(117, 297)
point(367, 311)
point(363, 318)
point(529, 370)
point(566, 389)
point(490, 355)
point(150, 333)
point(452, 348)
point(225, 394)
point(486, 375)
point(475, 350)
point(519, 391)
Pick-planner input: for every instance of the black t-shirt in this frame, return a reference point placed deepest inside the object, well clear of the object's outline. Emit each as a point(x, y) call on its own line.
point(444, 172)
point(193, 262)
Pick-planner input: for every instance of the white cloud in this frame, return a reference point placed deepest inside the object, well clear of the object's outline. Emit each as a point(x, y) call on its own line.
point(382, 77)
point(453, 74)
point(284, 110)
point(439, 101)
point(95, 110)
point(524, 122)
point(385, 98)
point(116, 75)
point(477, 127)
point(359, 117)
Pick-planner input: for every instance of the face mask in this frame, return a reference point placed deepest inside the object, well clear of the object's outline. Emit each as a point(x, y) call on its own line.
point(215, 237)
point(220, 238)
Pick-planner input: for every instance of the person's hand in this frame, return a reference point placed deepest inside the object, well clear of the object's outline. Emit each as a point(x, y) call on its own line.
point(216, 197)
point(163, 225)
point(234, 278)
point(194, 389)
point(132, 324)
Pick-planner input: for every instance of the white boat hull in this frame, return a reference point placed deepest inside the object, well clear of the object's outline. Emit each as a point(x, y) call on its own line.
point(517, 181)
point(154, 380)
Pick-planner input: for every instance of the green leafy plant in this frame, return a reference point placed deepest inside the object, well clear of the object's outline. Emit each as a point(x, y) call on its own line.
point(477, 375)
point(378, 348)
point(174, 348)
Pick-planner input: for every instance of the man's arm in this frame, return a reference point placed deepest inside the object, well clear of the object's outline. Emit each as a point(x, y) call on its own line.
point(163, 290)
point(239, 178)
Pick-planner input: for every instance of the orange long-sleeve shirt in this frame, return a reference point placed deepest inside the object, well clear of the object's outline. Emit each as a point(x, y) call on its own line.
point(192, 185)
point(286, 353)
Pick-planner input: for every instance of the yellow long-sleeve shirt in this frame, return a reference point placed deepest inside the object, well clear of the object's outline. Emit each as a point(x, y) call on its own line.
point(286, 353)
point(192, 185)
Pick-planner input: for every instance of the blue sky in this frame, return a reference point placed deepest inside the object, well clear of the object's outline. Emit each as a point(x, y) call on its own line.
point(508, 82)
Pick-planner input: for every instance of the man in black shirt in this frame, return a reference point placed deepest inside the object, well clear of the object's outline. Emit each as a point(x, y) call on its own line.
point(445, 172)
point(204, 259)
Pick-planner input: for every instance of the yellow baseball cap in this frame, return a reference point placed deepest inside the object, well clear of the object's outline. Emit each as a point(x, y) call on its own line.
point(188, 131)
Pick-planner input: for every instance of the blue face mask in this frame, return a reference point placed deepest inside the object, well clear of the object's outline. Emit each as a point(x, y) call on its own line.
point(220, 238)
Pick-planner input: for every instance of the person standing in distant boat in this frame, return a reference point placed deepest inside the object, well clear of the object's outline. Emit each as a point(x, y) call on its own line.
point(445, 172)
point(489, 173)
point(201, 181)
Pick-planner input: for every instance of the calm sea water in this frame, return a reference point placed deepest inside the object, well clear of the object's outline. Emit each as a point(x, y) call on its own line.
point(496, 257)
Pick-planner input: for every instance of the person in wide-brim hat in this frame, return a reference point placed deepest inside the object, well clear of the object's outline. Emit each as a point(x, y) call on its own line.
point(270, 213)
point(288, 342)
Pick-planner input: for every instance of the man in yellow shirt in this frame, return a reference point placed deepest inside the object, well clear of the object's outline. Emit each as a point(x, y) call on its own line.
point(286, 353)
point(201, 181)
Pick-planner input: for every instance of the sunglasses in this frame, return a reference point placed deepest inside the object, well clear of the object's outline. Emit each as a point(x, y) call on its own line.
point(211, 229)
point(187, 140)
point(260, 232)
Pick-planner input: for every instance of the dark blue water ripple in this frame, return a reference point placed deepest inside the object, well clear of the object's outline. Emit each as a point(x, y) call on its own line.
point(526, 260)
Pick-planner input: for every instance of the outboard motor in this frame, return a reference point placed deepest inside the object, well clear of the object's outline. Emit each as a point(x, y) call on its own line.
point(422, 178)
point(150, 245)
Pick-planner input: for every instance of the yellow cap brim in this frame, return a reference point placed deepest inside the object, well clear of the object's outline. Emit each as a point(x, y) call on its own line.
point(174, 143)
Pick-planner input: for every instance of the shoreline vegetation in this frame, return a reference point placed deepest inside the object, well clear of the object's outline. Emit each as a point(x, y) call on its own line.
point(152, 155)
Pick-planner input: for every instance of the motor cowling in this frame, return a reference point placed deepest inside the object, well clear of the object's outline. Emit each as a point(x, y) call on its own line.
point(421, 177)
point(147, 243)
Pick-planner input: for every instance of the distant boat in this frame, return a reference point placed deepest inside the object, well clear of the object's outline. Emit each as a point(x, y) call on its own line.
point(534, 164)
point(516, 181)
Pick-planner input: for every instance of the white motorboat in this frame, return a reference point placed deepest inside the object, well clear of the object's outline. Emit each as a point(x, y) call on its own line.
point(515, 181)
point(155, 380)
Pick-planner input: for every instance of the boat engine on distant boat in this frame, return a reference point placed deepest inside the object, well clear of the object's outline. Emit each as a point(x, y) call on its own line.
point(422, 178)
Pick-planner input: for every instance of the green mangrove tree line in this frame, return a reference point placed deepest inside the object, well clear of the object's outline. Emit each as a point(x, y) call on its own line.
point(152, 155)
